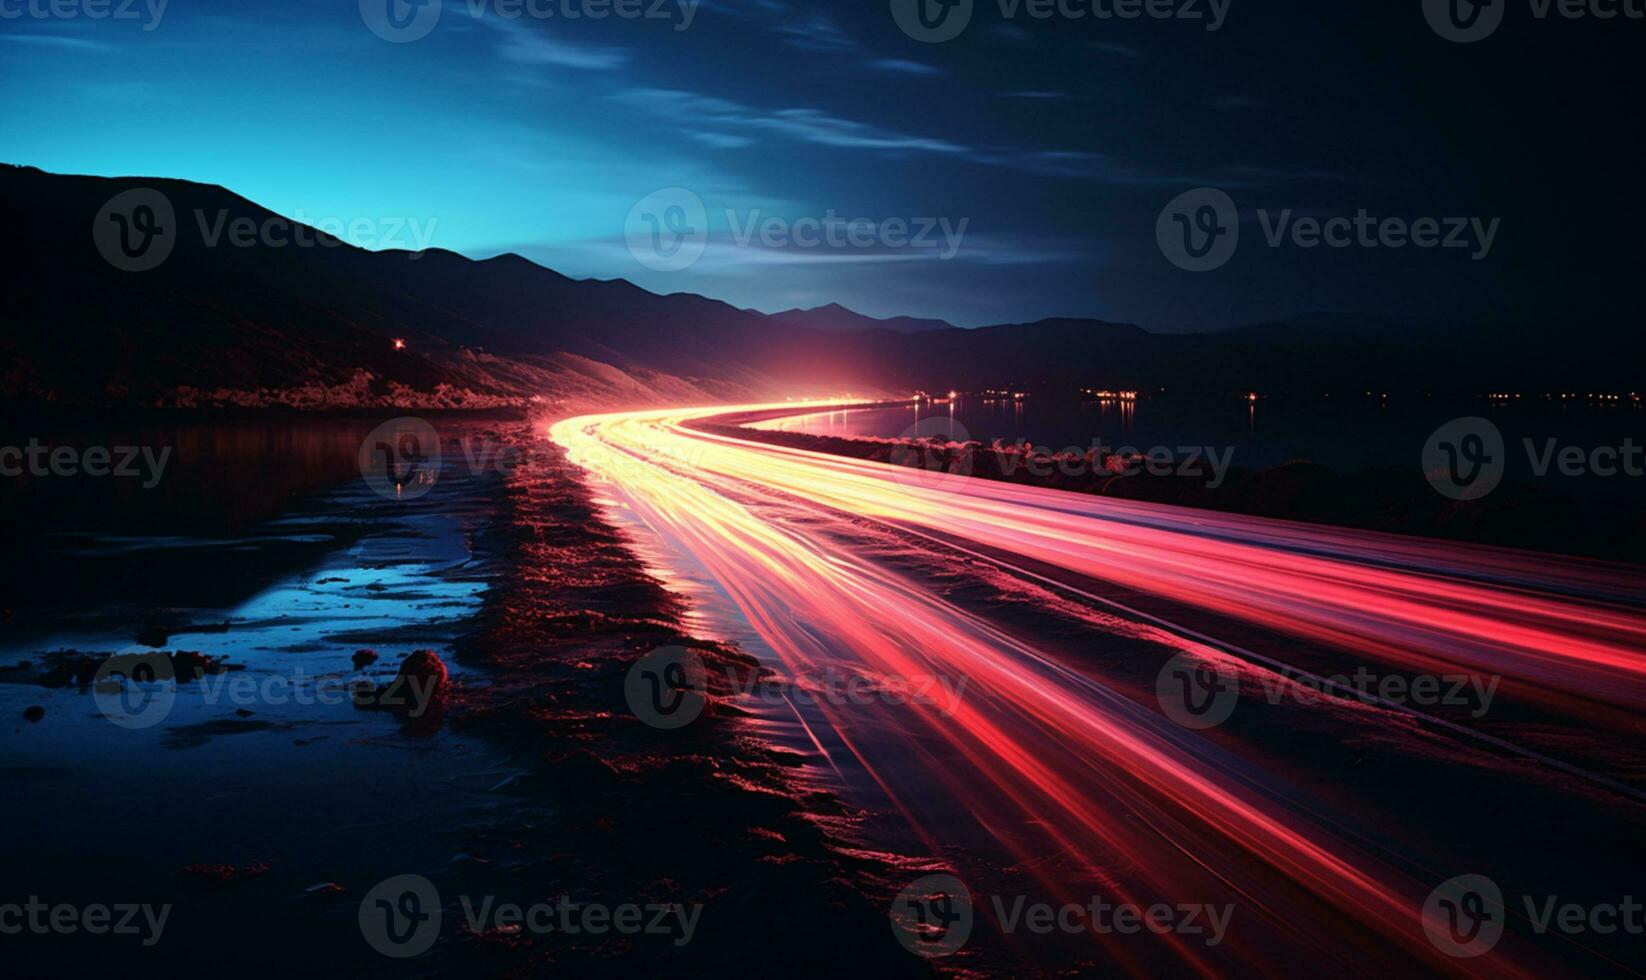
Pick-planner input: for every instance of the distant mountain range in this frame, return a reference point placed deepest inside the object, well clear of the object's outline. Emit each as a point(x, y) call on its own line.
point(835, 318)
point(329, 325)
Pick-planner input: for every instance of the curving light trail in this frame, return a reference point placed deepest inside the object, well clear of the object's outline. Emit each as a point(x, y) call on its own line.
point(1064, 772)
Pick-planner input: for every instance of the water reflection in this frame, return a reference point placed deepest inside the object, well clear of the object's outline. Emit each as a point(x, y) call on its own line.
point(1347, 434)
point(218, 476)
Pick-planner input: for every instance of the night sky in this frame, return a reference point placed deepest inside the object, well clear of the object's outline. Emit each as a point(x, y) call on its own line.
point(1058, 142)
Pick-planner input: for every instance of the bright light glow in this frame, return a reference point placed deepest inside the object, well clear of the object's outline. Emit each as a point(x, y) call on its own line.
point(1037, 745)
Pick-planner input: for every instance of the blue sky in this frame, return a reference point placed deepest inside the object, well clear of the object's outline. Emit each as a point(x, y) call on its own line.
point(1056, 143)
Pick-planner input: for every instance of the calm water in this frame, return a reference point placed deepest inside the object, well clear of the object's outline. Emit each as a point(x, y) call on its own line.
point(216, 477)
point(261, 545)
point(1345, 435)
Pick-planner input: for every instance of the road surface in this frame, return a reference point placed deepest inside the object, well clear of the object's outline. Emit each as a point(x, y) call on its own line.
point(1070, 695)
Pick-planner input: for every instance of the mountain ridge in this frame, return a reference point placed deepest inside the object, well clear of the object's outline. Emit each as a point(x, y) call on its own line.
point(334, 325)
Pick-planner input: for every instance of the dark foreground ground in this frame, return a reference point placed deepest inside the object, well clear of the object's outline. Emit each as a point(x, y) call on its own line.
point(250, 825)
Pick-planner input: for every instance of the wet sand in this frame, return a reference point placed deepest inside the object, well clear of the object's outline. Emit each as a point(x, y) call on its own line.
point(262, 805)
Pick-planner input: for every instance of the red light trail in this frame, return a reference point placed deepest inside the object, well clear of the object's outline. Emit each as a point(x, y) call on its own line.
point(1070, 772)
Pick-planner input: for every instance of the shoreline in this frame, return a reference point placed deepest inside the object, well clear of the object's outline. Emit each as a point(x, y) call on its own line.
point(763, 852)
point(1386, 500)
point(538, 784)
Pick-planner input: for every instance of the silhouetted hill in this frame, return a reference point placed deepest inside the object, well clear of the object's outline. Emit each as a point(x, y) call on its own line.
point(242, 319)
point(259, 323)
point(835, 318)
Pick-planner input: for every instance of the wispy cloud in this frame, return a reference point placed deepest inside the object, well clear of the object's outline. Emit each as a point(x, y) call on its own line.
point(816, 32)
point(814, 126)
point(721, 122)
point(942, 240)
point(1119, 50)
point(720, 141)
point(907, 67)
point(1035, 95)
point(747, 6)
point(530, 46)
point(1257, 176)
point(1069, 163)
point(57, 41)
point(802, 124)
